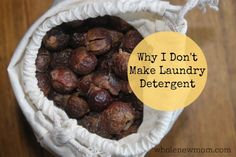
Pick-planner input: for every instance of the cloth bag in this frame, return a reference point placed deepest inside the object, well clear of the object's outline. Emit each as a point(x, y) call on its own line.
point(53, 128)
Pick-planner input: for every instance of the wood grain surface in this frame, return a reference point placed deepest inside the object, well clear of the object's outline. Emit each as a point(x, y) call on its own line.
point(209, 123)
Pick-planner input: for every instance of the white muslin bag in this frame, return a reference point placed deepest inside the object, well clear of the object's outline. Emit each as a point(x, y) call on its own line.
point(53, 128)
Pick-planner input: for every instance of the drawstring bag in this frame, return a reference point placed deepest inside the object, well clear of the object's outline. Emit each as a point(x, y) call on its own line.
point(53, 128)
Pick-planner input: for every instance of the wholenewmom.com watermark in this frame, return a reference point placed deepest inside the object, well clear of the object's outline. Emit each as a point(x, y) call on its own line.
point(192, 150)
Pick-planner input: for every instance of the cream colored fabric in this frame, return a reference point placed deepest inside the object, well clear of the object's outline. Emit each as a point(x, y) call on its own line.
point(52, 127)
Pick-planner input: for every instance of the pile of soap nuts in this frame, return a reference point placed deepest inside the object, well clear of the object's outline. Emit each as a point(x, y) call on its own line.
point(82, 67)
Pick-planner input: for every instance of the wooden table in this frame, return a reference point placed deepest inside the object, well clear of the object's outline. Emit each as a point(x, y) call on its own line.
point(209, 123)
